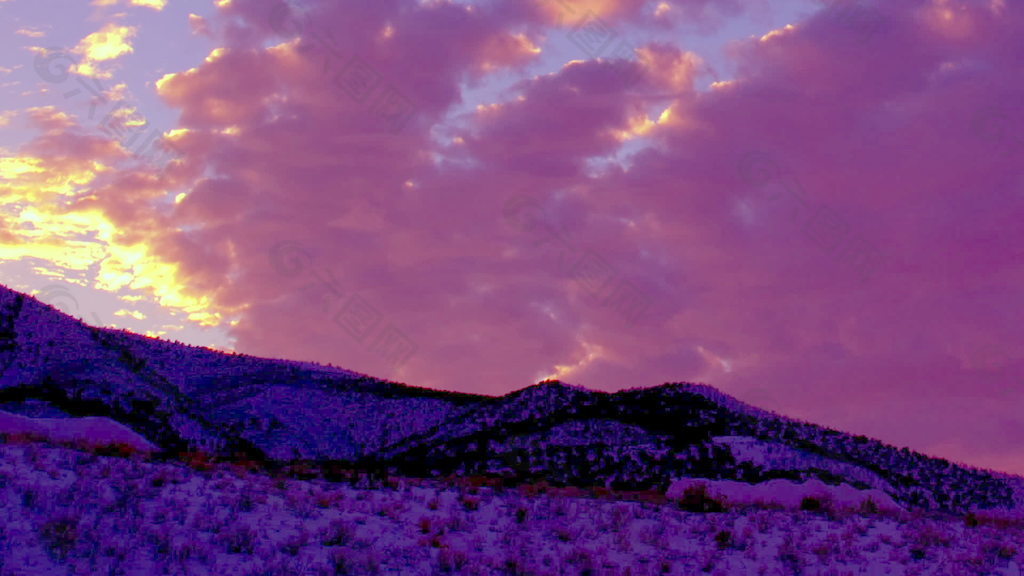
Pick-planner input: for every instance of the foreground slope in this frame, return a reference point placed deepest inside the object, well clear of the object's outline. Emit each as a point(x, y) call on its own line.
point(65, 512)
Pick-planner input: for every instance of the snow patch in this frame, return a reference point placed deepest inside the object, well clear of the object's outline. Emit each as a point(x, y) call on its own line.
point(784, 493)
point(90, 431)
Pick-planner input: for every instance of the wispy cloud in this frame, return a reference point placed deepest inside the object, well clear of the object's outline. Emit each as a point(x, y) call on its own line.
point(30, 32)
point(154, 4)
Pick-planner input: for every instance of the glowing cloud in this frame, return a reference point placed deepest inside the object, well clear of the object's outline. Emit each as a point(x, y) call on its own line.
point(154, 4)
point(109, 43)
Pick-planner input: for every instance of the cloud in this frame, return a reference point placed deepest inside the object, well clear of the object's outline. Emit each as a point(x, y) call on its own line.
point(51, 212)
point(833, 222)
point(105, 45)
point(30, 33)
point(154, 4)
point(198, 25)
point(599, 14)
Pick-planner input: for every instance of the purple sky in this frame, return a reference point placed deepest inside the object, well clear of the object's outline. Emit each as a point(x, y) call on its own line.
point(813, 206)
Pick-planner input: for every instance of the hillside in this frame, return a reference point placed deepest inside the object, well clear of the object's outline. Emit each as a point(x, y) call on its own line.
point(644, 438)
point(182, 398)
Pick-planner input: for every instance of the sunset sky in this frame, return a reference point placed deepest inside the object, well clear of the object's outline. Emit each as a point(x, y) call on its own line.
point(814, 206)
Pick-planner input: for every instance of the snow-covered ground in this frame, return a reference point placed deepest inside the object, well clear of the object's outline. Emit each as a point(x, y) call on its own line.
point(65, 511)
point(91, 431)
point(786, 494)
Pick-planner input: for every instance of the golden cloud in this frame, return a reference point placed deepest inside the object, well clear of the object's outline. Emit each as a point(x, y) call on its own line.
point(51, 211)
point(109, 43)
point(154, 4)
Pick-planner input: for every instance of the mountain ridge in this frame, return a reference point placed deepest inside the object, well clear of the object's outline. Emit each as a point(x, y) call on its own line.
point(187, 398)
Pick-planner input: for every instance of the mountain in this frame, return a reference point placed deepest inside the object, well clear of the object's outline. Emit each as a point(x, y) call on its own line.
point(181, 397)
point(644, 438)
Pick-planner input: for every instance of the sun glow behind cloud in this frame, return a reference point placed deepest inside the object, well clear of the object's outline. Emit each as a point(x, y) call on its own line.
point(50, 215)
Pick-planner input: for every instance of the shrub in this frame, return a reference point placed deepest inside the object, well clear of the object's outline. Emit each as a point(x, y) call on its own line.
point(238, 540)
point(30, 497)
point(60, 534)
point(521, 515)
point(199, 461)
point(337, 533)
point(512, 566)
point(452, 561)
point(22, 438)
point(339, 562)
point(534, 490)
point(116, 450)
point(810, 504)
point(696, 499)
point(470, 504)
point(1007, 552)
point(296, 543)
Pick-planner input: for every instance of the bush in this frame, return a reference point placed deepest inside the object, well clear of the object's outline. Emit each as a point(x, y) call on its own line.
point(61, 534)
point(696, 499)
point(339, 562)
point(1007, 552)
point(238, 540)
point(22, 438)
point(116, 450)
point(520, 515)
point(338, 533)
point(470, 504)
point(811, 504)
point(452, 561)
point(198, 461)
point(869, 507)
